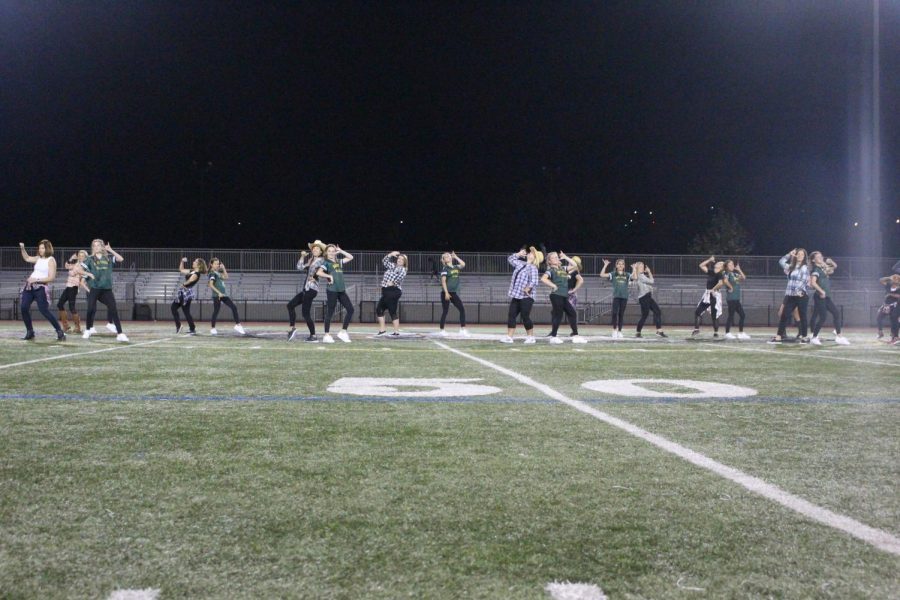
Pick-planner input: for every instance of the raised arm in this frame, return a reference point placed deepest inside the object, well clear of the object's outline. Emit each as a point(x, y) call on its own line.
point(118, 256)
point(603, 270)
point(223, 272)
point(459, 262)
point(741, 276)
point(388, 263)
point(785, 261)
point(516, 259)
point(181, 268)
point(302, 263)
point(704, 266)
point(25, 256)
point(347, 256)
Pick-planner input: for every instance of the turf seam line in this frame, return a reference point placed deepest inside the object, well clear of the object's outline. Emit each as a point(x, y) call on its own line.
point(876, 537)
point(76, 354)
point(806, 355)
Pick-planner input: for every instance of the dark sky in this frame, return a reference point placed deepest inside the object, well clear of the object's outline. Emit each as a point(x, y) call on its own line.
point(479, 125)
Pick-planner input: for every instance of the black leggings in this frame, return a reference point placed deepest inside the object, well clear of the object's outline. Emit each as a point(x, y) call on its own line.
point(217, 304)
point(292, 305)
point(331, 301)
point(40, 295)
point(560, 306)
point(618, 312)
point(888, 316)
point(649, 304)
point(184, 305)
point(390, 299)
point(735, 306)
point(701, 308)
point(69, 294)
point(790, 303)
point(520, 306)
point(306, 310)
point(445, 308)
point(821, 308)
point(106, 298)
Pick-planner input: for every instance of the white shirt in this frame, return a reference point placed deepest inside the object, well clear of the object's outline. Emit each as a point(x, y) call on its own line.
point(41, 269)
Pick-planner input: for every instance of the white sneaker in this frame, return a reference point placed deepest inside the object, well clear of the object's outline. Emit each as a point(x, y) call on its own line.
point(841, 340)
point(577, 339)
point(86, 335)
point(529, 339)
point(815, 341)
point(111, 328)
point(743, 336)
point(240, 329)
point(730, 336)
point(443, 333)
point(93, 330)
point(327, 339)
point(506, 340)
point(121, 338)
point(213, 331)
point(463, 332)
point(344, 336)
point(553, 340)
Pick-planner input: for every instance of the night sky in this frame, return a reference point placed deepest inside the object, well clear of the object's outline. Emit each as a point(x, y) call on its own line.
point(431, 125)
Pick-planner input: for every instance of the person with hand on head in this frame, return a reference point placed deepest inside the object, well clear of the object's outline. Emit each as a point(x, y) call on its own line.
point(620, 280)
point(217, 276)
point(820, 282)
point(557, 278)
point(643, 278)
point(98, 270)
point(796, 266)
point(711, 299)
point(187, 292)
point(395, 268)
point(522, 292)
point(332, 270)
point(37, 288)
point(734, 277)
point(451, 265)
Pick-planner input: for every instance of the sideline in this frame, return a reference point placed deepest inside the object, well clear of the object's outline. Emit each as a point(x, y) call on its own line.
point(74, 354)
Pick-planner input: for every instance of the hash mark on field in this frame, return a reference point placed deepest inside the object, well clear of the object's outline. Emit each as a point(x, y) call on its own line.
point(807, 354)
point(574, 591)
point(148, 594)
point(76, 354)
point(882, 540)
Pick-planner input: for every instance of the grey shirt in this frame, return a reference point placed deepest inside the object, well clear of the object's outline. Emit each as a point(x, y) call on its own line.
point(644, 285)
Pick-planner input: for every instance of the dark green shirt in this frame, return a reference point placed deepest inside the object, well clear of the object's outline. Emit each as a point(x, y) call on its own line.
point(560, 278)
point(823, 280)
point(101, 269)
point(735, 280)
point(451, 274)
point(620, 284)
point(218, 282)
point(336, 270)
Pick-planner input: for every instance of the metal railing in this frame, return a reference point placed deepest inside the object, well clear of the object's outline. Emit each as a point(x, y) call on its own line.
point(424, 262)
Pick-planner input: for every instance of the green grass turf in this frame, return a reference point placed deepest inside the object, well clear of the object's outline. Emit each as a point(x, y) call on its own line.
point(307, 494)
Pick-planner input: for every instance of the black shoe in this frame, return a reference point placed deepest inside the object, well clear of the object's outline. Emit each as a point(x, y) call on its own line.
point(661, 334)
point(803, 340)
point(638, 334)
point(695, 332)
point(60, 336)
point(715, 335)
point(29, 335)
point(395, 335)
point(291, 334)
point(311, 338)
point(380, 333)
point(177, 329)
point(192, 332)
point(775, 340)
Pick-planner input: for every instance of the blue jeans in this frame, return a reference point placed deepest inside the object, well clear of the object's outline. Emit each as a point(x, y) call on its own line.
point(41, 295)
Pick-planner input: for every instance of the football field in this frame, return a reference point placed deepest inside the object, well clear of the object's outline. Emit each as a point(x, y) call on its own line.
point(426, 467)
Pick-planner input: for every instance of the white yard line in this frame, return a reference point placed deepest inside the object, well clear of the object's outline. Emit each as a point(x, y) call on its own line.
point(75, 354)
point(574, 591)
point(807, 354)
point(880, 539)
point(148, 594)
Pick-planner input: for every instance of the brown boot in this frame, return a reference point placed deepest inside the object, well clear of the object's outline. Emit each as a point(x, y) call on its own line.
point(77, 320)
point(64, 320)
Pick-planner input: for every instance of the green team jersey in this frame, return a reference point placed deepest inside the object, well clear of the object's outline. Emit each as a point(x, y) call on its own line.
point(451, 274)
point(735, 280)
point(101, 269)
point(823, 280)
point(336, 270)
point(218, 282)
point(560, 278)
point(619, 283)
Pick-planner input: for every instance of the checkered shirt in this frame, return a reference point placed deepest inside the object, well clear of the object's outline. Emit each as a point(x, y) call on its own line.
point(393, 274)
point(798, 279)
point(524, 276)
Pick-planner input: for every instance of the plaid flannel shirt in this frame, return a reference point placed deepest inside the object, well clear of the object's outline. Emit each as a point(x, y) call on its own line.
point(393, 274)
point(798, 279)
point(524, 276)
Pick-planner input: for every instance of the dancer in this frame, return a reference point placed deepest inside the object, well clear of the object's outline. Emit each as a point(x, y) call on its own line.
point(310, 262)
point(796, 268)
point(573, 266)
point(37, 288)
point(332, 269)
point(521, 292)
point(395, 265)
point(98, 268)
point(217, 276)
point(734, 277)
point(187, 292)
point(557, 278)
point(641, 274)
point(73, 282)
point(451, 265)
point(619, 279)
point(889, 310)
point(711, 299)
point(820, 281)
